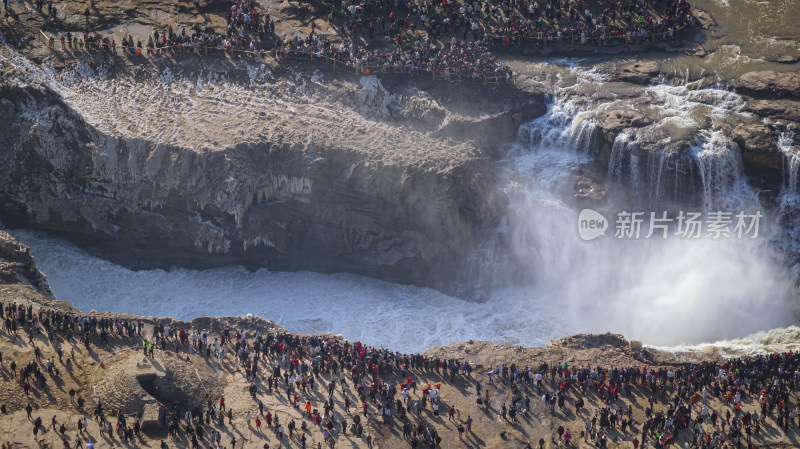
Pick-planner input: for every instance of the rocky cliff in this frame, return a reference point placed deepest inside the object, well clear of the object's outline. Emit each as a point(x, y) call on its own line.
point(260, 173)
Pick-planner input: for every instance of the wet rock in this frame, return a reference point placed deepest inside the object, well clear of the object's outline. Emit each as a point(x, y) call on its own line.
point(787, 110)
point(760, 154)
point(698, 51)
point(770, 84)
point(785, 59)
point(637, 72)
point(704, 19)
point(614, 121)
point(586, 341)
point(587, 189)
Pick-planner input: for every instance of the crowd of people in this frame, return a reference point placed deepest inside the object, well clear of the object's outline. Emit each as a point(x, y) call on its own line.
point(248, 32)
point(521, 22)
point(677, 399)
point(380, 387)
point(447, 38)
point(455, 59)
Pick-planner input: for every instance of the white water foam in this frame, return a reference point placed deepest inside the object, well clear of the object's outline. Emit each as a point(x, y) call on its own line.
point(773, 341)
point(394, 316)
point(563, 127)
point(720, 163)
point(656, 290)
point(682, 108)
point(668, 293)
point(791, 161)
point(648, 293)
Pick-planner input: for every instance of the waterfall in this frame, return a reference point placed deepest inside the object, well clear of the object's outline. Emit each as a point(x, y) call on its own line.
point(656, 163)
point(720, 163)
point(642, 279)
point(789, 200)
point(625, 171)
point(791, 161)
point(584, 136)
point(564, 127)
point(623, 166)
point(620, 149)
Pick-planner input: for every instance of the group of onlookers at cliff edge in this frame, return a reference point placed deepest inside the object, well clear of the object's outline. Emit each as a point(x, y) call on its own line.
point(448, 38)
point(364, 385)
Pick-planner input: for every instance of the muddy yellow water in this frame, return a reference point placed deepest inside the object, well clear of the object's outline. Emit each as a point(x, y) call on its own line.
point(748, 35)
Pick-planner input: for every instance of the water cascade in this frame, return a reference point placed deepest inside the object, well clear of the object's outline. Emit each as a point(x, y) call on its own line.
point(563, 126)
point(664, 292)
point(791, 161)
point(720, 163)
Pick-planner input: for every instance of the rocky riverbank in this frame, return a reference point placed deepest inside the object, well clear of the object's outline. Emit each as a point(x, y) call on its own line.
point(129, 385)
point(262, 174)
point(246, 160)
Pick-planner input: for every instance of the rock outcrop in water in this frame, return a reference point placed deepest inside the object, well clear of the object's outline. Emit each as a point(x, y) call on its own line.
point(399, 195)
point(770, 84)
point(756, 124)
point(18, 267)
point(241, 164)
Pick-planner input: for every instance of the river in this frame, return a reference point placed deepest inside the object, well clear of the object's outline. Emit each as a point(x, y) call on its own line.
point(672, 292)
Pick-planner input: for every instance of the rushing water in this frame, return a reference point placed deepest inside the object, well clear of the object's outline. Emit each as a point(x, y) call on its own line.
point(791, 162)
point(666, 292)
point(670, 292)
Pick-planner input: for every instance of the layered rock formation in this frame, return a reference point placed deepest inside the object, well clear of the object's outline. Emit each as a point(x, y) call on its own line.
point(756, 115)
point(261, 173)
point(247, 162)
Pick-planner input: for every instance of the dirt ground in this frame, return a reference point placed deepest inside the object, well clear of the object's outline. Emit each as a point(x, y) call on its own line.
point(109, 372)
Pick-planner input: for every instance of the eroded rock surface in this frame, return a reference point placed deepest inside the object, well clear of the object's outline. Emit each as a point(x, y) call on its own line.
point(292, 175)
point(770, 84)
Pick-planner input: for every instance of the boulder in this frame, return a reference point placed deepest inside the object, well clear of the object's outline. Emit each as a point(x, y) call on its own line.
point(757, 142)
point(770, 84)
point(614, 121)
point(17, 265)
point(788, 110)
point(704, 19)
point(633, 71)
point(785, 59)
point(150, 418)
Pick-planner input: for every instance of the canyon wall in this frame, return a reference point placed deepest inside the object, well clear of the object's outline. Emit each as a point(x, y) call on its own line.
point(403, 204)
